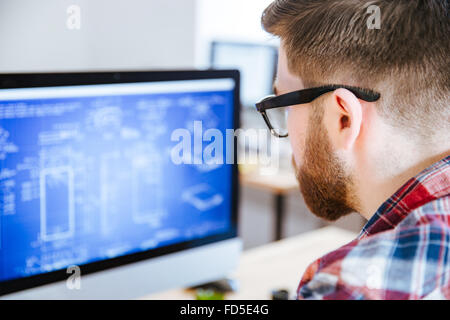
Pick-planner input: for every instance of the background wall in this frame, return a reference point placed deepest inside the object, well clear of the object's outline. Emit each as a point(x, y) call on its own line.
point(114, 34)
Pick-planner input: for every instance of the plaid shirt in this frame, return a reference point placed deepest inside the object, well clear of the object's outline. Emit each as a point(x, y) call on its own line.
point(403, 252)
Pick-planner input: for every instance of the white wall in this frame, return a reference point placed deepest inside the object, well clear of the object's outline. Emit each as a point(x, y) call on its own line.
point(120, 34)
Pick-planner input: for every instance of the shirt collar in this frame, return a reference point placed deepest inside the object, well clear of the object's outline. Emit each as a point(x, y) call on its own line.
point(430, 184)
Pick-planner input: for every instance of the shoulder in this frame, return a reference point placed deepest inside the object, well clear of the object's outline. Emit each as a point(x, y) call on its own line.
point(407, 262)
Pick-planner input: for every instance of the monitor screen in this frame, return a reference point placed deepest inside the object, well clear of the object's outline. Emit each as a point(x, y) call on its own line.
point(86, 172)
point(256, 63)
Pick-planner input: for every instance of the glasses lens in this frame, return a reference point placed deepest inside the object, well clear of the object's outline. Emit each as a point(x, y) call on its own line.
point(278, 119)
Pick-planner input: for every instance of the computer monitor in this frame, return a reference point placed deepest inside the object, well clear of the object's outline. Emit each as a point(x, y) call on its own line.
point(88, 181)
point(256, 63)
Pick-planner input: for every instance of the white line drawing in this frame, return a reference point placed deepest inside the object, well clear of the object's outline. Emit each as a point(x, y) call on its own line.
point(5, 146)
point(152, 113)
point(153, 110)
point(129, 133)
point(103, 198)
point(147, 244)
point(108, 191)
point(147, 194)
point(57, 174)
point(203, 112)
point(196, 196)
point(106, 118)
point(207, 167)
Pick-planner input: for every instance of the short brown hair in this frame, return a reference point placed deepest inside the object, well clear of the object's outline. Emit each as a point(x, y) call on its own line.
point(406, 60)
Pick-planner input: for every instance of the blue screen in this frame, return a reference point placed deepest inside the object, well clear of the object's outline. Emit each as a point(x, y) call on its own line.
point(87, 174)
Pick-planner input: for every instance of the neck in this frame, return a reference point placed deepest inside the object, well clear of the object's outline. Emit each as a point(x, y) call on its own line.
point(374, 189)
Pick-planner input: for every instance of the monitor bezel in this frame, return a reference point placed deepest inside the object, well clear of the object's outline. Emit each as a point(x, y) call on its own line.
point(56, 79)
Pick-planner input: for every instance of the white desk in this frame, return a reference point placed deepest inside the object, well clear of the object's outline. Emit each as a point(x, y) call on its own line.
point(278, 265)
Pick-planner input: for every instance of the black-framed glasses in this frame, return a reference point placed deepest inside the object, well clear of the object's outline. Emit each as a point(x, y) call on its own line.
point(273, 108)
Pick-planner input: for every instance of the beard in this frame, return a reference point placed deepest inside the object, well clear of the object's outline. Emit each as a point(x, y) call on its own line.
point(325, 185)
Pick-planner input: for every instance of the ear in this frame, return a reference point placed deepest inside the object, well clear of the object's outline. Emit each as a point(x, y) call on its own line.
point(343, 119)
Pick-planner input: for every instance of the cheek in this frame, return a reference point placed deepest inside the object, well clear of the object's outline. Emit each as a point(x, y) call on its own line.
point(297, 127)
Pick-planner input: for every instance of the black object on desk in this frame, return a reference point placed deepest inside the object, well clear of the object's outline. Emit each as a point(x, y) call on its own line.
point(281, 294)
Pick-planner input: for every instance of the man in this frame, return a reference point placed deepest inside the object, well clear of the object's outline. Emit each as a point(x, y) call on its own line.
point(372, 135)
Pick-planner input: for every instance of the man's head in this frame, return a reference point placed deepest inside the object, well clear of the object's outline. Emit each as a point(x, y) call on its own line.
point(338, 140)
